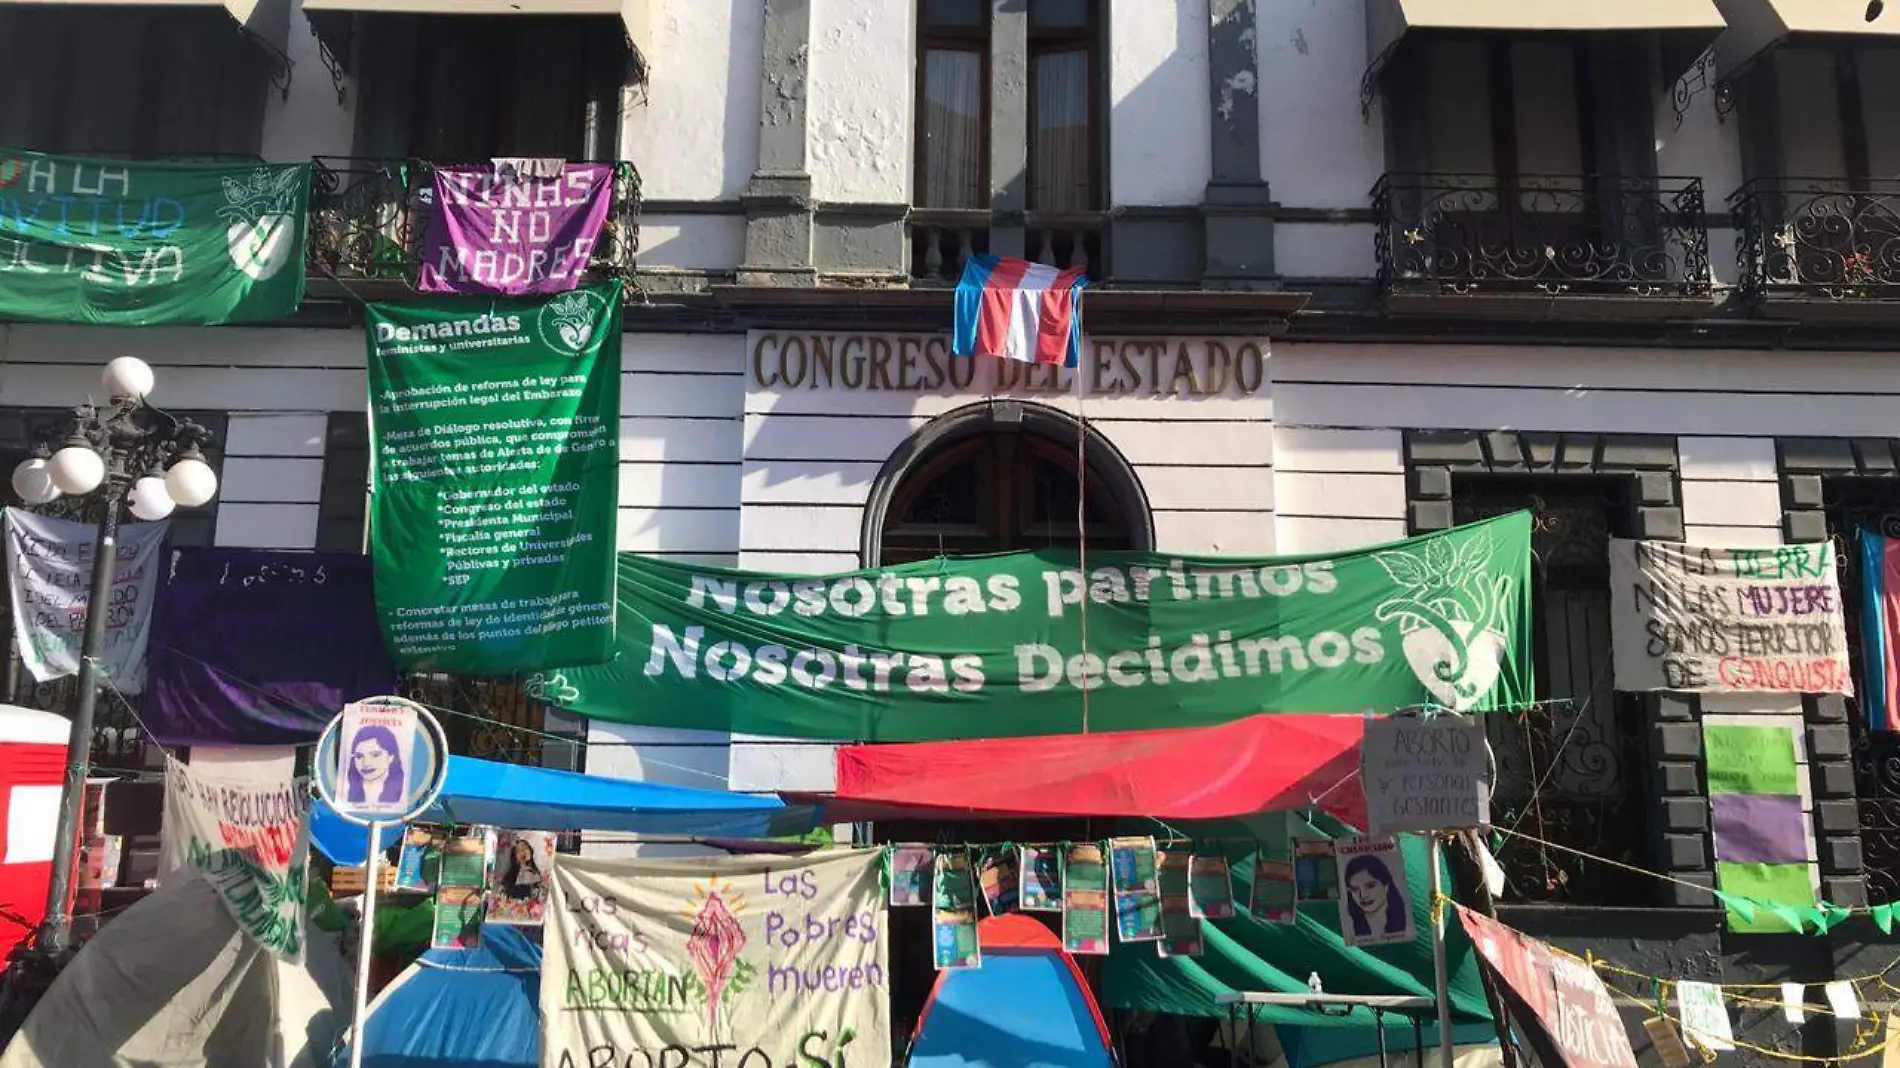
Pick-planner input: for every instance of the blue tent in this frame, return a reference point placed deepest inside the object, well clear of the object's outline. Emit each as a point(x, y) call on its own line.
point(460, 1008)
point(1026, 1007)
point(528, 798)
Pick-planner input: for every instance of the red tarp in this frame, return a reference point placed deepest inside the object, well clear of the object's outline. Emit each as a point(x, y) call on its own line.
point(1258, 764)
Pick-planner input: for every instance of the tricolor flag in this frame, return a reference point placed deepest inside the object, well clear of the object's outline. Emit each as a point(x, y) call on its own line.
point(1880, 629)
point(1020, 311)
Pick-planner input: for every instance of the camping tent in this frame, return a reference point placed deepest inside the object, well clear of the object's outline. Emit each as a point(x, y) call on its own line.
point(32, 768)
point(174, 981)
point(475, 1007)
point(1026, 1007)
point(547, 799)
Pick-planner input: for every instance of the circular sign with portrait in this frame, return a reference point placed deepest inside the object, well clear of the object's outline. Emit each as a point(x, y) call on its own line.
point(382, 761)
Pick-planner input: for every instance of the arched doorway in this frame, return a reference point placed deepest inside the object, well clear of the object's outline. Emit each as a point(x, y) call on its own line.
point(999, 477)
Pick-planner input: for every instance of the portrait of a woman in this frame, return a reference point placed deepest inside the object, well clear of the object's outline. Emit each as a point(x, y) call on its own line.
point(375, 775)
point(521, 876)
point(1373, 901)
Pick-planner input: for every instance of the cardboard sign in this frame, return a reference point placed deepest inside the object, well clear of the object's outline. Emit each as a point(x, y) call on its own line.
point(1425, 774)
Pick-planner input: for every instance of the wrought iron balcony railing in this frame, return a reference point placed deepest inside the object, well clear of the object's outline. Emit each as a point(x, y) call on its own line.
point(1551, 235)
point(1818, 239)
point(369, 220)
point(942, 240)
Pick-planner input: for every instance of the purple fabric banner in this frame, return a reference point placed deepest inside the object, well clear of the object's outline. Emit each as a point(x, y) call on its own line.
point(254, 647)
point(1758, 829)
point(498, 231)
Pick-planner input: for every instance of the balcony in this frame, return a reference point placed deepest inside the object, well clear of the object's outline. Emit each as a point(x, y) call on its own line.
point(943, 240)
point(1820, 248)
point(1450, 243)
point(369, 222)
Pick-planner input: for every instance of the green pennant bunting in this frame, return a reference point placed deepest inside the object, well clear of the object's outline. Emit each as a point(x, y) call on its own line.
point(1836, 915)
point(1739, 905)
point(1788, 915)
point(1883, 918)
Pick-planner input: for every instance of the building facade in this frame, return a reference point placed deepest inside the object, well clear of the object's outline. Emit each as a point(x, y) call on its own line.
point(1364, 269)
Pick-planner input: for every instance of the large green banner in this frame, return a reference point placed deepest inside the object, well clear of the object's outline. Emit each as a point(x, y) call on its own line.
point(494, 456)
point(124, 243)
point(995, 646)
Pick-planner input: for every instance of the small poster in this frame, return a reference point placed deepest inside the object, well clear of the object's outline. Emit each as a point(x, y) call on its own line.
point(420, 861)
point(1273, 900)
point(465, 861)
point(1132, 862)
point(378, 747)
point(519, 877)
point(1210, 888)
point(458, 918)
point(1042, 879)
point(1315, 870)
point(911, 867)
point(1180, 928)
point(1374, 907)
point(1085, 899)
point(1704, 1016)
point(953, 913)
point(1002, 885)
point(1425, 774)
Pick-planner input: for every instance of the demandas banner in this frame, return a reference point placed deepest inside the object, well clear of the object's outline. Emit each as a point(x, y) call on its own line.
point(245, 836)
point(735, 960)
point(1706, 620)
point(124, 243)
point(495, 452)
point(992, 646)
point(498, 230)
point(50, 562)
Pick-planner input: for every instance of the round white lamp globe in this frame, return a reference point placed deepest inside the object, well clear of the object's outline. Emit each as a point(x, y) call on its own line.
point(77, 470)
point(191, 482)
point(150, 500)
point(33, 481)
point(128, 376)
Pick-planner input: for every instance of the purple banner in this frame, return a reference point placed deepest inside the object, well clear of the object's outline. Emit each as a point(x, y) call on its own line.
point(498, 230)
point(1758, 829)
point(253, 647)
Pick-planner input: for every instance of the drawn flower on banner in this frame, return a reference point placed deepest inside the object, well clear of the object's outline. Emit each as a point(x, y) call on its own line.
point(553, 689)
point(716, 942)
point(260, 215)
point(1450, 614)
point(567, 321)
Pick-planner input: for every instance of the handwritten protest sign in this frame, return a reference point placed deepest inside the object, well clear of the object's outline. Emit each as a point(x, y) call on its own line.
point(498, 230)
point(244, 833)
point(50, 562)
point(1707, 620)
point(717, 961)
point(1425, 774)
point(1571, 1013)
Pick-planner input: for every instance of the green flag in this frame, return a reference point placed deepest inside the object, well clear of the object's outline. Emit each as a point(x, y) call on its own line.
point(143, 243)
point(993, 646)
point(495, 451)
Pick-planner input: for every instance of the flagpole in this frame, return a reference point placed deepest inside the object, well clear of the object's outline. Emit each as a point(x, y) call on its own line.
point(360, 1005)
point(1441, 979)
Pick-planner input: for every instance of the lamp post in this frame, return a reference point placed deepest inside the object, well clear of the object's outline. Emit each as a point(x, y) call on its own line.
point(133, 455)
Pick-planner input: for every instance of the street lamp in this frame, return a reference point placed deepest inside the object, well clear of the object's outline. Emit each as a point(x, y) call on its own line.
point(134, 455)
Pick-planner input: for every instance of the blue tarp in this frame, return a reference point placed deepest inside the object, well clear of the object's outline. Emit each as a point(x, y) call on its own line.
point(460, 1008)
point(487, 793)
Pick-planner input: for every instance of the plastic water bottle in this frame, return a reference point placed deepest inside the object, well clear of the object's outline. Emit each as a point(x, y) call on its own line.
point(1313, 983)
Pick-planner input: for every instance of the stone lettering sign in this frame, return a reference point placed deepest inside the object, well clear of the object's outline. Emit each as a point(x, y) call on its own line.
point(1425, 774)
point(923, 363)
point(1707, 620)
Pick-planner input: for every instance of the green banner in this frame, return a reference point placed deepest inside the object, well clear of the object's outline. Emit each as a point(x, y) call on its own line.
point(494, 463)
point(143, 243)
point(994, 646)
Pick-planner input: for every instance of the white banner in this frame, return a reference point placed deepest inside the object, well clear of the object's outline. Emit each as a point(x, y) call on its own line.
point(50, 561)
point(717, 961)
point(1707, 620)
point(245, 831)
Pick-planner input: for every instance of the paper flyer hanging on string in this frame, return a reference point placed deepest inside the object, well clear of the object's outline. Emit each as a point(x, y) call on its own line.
point(1210, 888)
point(1273, 899)
point(1001, 882)
point(1375, 908)
point(1180, 928)
point(1085, 899)
point(912, 867)
point(420, 861)
point(1704, 1016)
point(1041, 872)
point(953, 913)
point(1137, 889)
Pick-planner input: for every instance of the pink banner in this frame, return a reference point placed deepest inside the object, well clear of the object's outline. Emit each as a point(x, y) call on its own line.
point(498, 231)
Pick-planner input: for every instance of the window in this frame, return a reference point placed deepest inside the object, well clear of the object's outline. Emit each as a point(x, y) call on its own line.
point(343, 503)
point(1505, 107)
point(952, 105)
point(137, 80)
point(466, 89)
point(1062, 152)
point(1838, 112)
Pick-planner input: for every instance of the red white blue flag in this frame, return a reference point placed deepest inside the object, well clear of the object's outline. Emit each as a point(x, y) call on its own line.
point(1019, 311)
point(1880, 630)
